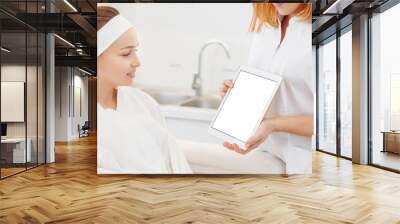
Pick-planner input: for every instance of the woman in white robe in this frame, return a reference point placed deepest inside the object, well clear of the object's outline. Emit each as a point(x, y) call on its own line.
point(282, 46)
point(132, 136)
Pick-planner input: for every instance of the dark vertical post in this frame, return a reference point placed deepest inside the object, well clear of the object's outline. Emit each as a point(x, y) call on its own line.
point(37, 87)
point(26, 86)
point(338, 81)
point(317, 97)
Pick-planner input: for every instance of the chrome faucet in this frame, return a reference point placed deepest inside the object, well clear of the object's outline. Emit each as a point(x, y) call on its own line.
point(197, 79)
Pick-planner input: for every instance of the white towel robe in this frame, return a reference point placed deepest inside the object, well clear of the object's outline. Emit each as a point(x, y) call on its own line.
point(292, 60)
point(133, 139)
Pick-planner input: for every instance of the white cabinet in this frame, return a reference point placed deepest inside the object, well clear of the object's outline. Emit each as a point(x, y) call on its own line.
point(193, 130)
point(190, 123)
point(16, 147)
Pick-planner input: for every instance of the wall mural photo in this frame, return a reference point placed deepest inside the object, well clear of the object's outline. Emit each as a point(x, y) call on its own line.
point(183, 93)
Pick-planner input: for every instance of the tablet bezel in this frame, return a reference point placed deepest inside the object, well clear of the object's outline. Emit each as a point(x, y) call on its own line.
point(258, 73)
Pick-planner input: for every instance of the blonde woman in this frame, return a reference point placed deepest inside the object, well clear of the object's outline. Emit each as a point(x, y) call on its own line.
point(282, 46)
point(132, 136)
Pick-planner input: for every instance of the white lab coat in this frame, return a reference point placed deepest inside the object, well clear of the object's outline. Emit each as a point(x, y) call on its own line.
point(133, 139)
point(292, 60)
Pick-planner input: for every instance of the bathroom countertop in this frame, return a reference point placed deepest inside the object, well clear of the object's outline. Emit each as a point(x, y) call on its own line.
point(192, 113)
point(178, 111)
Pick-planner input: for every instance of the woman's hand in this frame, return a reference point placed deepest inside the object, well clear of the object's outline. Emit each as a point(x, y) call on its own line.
point(266, 127)
point(302, 125)
point(227, 84)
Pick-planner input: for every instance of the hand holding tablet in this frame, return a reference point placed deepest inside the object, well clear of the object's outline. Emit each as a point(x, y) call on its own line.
point(244, 105)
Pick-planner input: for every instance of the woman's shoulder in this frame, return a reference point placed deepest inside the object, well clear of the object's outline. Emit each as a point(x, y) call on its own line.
point(301, 24)
point(265, 35)
point(136, 93)
point(131, 97)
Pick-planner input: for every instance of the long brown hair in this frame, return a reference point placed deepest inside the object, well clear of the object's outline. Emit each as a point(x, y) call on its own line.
point(105, 14)
point(265, 13)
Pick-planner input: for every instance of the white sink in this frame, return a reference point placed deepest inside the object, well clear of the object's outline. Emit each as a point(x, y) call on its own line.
point(176, 98)
point(169, 97)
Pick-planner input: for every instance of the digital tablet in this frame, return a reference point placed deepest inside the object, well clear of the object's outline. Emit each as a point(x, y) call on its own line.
point(244, 105)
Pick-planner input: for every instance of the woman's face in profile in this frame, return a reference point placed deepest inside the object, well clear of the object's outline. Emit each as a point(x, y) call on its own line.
point(117, 65)
point(285, 9)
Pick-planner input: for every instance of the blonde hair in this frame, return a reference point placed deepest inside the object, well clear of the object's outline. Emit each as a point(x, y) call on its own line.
point(265, 13)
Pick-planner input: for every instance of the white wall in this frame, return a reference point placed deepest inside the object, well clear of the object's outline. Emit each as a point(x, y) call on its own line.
point(66, 121)
point(12, 73)
point(34, 126)
point(61, 103)
point(17, 73)
point(77, 118)
point(171, 36)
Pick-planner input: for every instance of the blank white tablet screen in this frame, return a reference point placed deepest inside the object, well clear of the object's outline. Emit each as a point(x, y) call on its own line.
point(244, 105)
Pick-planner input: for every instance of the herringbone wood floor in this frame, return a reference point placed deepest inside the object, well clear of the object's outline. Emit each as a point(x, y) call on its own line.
point(70, 191)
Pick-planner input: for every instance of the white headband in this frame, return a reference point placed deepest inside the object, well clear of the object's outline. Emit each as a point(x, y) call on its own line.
point(110, 32)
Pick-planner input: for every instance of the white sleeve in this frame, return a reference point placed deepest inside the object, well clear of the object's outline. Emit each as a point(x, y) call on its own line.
point(310, 79)
point(153, 106)
point(178, 162)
